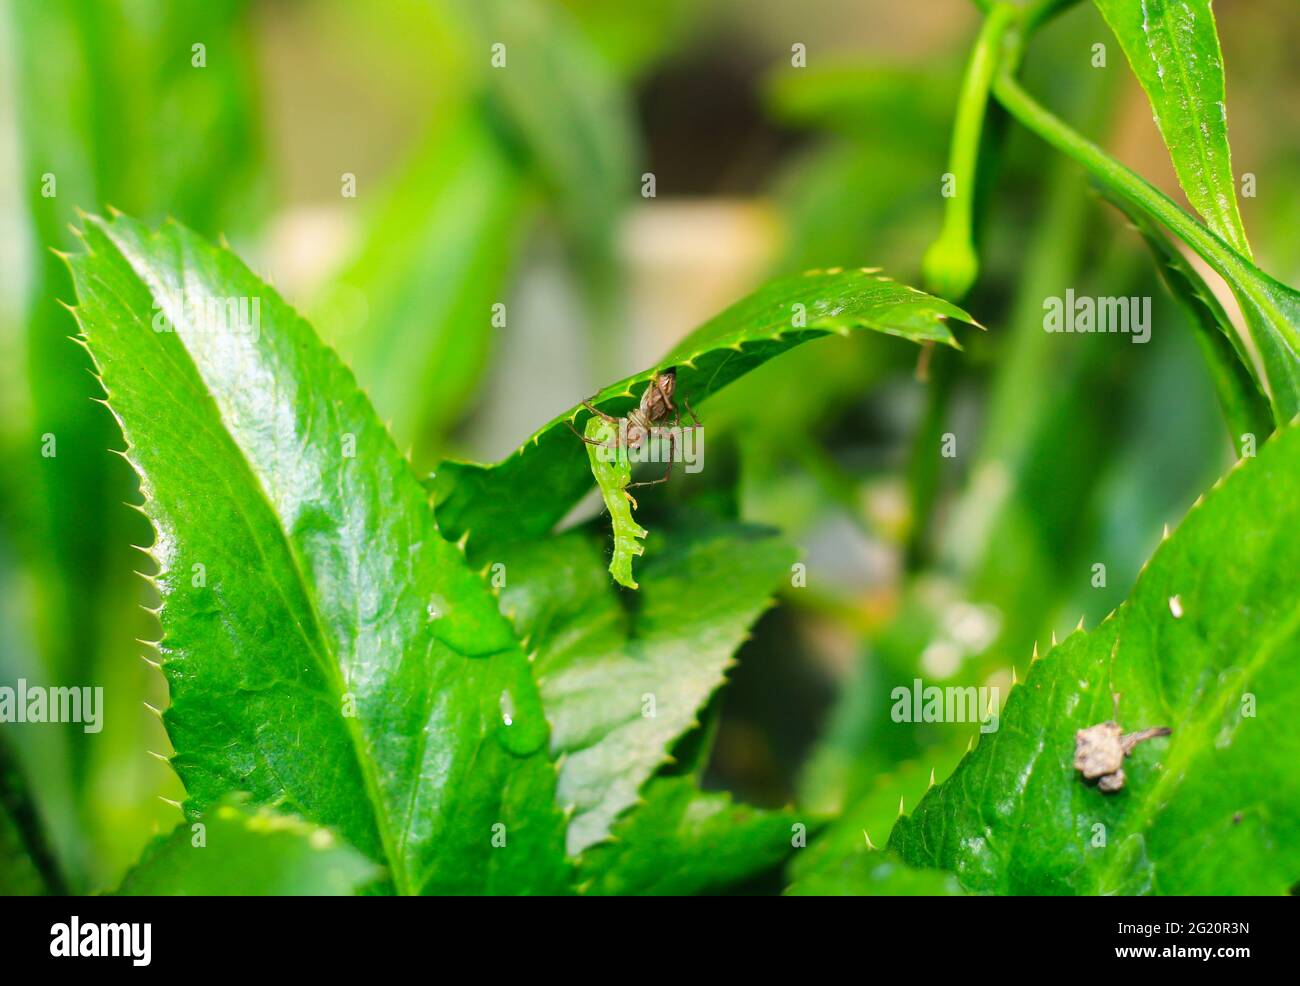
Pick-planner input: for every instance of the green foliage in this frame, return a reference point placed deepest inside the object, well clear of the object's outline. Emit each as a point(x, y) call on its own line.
point(620, 687)
point(683, 841)
point(325, 648)
point(101, 103)
point(27, 866)
point(416, 299)
point(837, 849)
point(1271, 309)
point(1208, 632)
point(565, 109)
point(1173, 48)
point(874, 874)
point(233, 851)
point(1245, 409)
point(385, 685)
point(474, 500)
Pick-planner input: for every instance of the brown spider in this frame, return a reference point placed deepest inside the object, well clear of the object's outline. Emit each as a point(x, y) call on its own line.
point(655, 407)
point(1099, 750)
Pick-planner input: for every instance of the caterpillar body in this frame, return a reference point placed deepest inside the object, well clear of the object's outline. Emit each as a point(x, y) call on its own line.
point(613, 472)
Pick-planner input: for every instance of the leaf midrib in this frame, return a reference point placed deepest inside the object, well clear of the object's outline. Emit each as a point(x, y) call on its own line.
point(329, 668)
point(1175, 765)
point(1230, 217)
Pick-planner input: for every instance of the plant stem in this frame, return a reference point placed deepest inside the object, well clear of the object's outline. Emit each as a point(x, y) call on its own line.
point(951, 264)
point(1125, 183)
point(1241, 275)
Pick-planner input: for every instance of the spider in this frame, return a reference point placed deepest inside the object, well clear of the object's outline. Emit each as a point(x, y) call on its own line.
point(1099, 750)
point(655, 407)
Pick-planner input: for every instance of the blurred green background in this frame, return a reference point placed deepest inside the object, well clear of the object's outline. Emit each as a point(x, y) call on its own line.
point(522, 186)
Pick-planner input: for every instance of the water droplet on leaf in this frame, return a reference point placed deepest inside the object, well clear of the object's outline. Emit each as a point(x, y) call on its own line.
point(522, 729)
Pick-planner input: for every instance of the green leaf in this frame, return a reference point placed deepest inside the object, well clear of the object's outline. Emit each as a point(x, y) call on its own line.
point(1272, 312)
point(1208, 644)
point(866, 102)
point(1245, 409)
point(101, 104)
point(326, 650)
point(613, 472)
point(560, 101)
point(1173, 48)
point(874, 874)
point(875, 812)
point(232, 851)
point(1271, 309)
point(526, 494)
point(682, 841)
point(620, 685)
point(27, 865)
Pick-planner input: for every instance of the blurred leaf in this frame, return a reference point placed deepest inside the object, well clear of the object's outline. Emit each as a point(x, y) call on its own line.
point(620, 686)
point(1209, 629)
point(1010, 542)
point(26, 864)
point(874, 874)
point(247, 853)
point(876, 811)
point(326, 650)
point(632, 35)
point(107, 107)
point(1173, 48)
point(486, 502)
point(845, 198)
point(867, 103)
point(558, 98)
point(681, 841)
point(432, 264)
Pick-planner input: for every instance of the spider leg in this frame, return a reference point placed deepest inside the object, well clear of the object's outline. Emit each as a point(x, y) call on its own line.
point(599, 413)
point(672, 451)
point(687, 405)
point(590, 441)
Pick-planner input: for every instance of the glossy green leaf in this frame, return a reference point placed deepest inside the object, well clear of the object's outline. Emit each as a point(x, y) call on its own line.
point(620, 685)
point(326, 650)
point(234, 851)
point(489, 502)
point(613, 471)
point(681, 841)
point(1207, 644)
point(1173, 48)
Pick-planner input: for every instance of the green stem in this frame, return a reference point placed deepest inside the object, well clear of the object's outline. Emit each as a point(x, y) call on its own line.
point(1119, 179)
point(951, 264)
point(1242, 276)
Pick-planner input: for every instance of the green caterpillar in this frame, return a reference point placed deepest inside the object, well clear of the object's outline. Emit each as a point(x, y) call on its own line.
point(612, 477)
